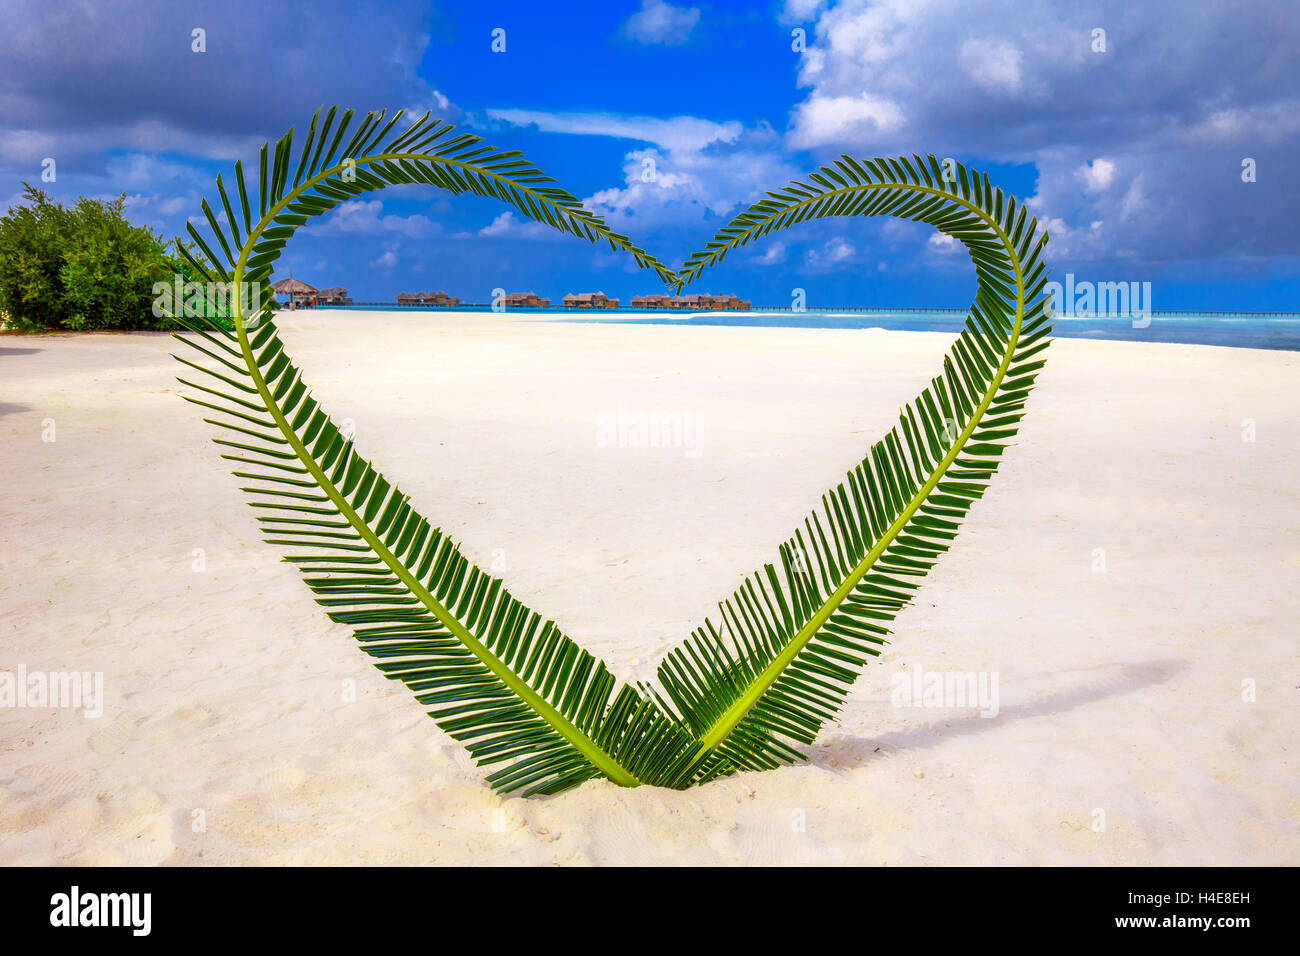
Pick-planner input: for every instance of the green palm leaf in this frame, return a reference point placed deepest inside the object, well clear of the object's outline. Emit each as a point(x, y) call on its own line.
point(497, 675)
point(793, 638)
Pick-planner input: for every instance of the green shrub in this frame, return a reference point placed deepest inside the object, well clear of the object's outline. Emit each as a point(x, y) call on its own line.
point(32, 238)
point(80, 268)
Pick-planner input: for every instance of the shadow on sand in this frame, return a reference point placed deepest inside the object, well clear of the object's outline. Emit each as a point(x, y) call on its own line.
point(1115, 680)
point(15, 351)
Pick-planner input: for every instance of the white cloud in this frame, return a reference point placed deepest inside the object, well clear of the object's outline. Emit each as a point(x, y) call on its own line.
point(365, 217)
point(1134, 201)
point(509, 226)
point(1146, 139)
point(861, 119)
point(1270, 124)
point(1097, 175)
point(661, 23)
point(942, 243)
point(434, 101)
point(26, 147)
point(799, 11)
point(688, 186)
point(993, 64)
point(678, 132)
point(177, 204)
point(694, 168)
point(835, 251)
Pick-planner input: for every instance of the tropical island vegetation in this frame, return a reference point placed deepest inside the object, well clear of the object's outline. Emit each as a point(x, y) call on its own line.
point(86, 267)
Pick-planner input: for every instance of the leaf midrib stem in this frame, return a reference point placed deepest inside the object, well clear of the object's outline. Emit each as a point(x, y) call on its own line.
point(734, 714)
point(584, 744)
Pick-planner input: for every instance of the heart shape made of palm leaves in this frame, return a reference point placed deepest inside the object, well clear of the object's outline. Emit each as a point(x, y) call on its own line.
point(742, 693)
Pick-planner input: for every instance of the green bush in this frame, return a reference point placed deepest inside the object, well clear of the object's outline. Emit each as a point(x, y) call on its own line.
point(80, 268)
point(32, 238)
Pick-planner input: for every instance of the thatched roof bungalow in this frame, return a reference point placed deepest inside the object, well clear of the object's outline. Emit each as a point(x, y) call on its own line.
point(427, 298)
point(728, 302)
point(334, 295)
point(525, 299)
point(695, 300)
point(589, 300)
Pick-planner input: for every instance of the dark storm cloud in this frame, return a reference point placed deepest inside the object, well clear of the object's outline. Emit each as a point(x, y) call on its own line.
point(1138, 133)
point(80, 78)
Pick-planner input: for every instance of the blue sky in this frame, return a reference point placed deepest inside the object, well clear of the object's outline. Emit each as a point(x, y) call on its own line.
point(1131, 148)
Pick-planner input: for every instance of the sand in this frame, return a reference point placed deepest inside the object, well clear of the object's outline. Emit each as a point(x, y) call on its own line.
point(1130, 579)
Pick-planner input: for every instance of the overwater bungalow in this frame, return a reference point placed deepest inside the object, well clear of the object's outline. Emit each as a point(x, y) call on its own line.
point(334, 295)
point(696, 300)
point(526, 299)
point(589, 300)
point(427, 298)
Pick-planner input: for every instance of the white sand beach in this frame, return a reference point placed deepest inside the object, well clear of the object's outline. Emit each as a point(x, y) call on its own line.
point(1133, 568)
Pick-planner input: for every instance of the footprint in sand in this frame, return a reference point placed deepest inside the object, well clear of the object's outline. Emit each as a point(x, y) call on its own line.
point(66, 816)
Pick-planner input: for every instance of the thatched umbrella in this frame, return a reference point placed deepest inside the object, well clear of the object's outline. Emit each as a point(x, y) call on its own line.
point(292, 287)
point(295, 289)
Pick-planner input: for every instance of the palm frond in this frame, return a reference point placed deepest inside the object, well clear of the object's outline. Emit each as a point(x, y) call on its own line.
point(496, 675)
point(793, 637)
point(742, 694)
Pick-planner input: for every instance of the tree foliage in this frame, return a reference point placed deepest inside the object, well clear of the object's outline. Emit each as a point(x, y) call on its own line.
point(80, 268)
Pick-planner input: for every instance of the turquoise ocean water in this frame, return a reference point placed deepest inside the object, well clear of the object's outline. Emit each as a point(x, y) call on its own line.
point(1237, 330)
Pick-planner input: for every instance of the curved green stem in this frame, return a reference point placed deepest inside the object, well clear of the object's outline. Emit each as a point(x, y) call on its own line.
point(584, 744)
point(734, 714)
